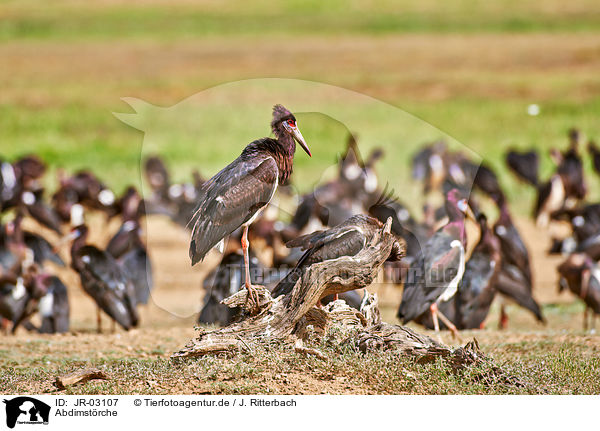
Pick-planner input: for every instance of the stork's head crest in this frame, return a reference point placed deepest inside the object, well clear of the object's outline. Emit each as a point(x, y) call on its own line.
point(283, 117)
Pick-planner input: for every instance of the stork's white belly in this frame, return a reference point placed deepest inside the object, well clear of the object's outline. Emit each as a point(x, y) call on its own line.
point(453, 286)
point(257, 213)
point(46, 304)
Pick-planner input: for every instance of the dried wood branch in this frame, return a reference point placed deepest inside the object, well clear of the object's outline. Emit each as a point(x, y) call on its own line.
point(79, 377)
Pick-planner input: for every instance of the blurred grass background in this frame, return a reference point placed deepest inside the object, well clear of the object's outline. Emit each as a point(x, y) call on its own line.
point(469, 68)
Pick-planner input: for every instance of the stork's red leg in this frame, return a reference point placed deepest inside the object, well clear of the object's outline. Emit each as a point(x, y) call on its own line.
point(434, 315)
point(98, 321)
point(503, 323)
point(5, 323)
point(252, 294)
point(585, 318)
point(449, 325)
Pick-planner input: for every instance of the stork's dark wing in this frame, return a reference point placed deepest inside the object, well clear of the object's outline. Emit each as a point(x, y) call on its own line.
point(442, 261)
point(595, 153)
point(512, 283)
point(56, 320)
point(358, 223)
point(345, 242)
point(514, 249)
point(104, 268)
point(429, 276)
point(42, 249)
point(230, 199)
point(138, 268)
point(103, 279)
point(45, 215)
point(524, 165)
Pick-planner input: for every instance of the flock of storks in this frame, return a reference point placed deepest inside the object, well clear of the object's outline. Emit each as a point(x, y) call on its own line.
point(444, 286)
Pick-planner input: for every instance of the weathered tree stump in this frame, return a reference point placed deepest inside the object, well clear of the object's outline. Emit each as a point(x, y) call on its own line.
point(278, 317)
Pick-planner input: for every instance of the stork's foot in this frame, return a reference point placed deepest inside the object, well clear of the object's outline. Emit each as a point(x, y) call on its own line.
point(252, 297)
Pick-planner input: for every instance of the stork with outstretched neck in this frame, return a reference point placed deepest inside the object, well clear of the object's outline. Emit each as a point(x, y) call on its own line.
point(237, 194)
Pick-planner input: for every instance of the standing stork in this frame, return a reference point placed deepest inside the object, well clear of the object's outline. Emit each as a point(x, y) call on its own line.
point(235, 196)
point(436, 273)
point(104, 280)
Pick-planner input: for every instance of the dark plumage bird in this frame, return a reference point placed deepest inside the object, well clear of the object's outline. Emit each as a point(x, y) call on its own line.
point(485, 179)
point(163, 198)
point(581, 275)
point(82, 188)
point(19, 295)
point(551, 194)
point(514, 250)
point(308, 212)
point(345, 239)
point(9, 187)
point(585, 223)
point(476, 292)
point(515, 279)
point(128, 247)
point(435, 275)
point(42, 250)
point(21, 190)
point(571, 171)
point(565, 187)
point(513, 285)
point(13, 298)
point(403, 224)
point(137, 267)
point(54, 307)
point(157, 176)
point(33, 204)
point(551, 197)
point(429, 166)
point(235, 196)
point(104, 280)
point(595, 153)
point(525, 165)
point(128, 235)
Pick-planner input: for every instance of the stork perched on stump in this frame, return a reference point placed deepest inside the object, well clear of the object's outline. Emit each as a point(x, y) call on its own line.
point(235, 196)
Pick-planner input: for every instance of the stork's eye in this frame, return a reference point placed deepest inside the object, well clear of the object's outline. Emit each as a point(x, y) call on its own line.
point(291, 123)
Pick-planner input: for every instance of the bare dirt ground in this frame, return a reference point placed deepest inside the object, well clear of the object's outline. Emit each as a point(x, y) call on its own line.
point(141, 356)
